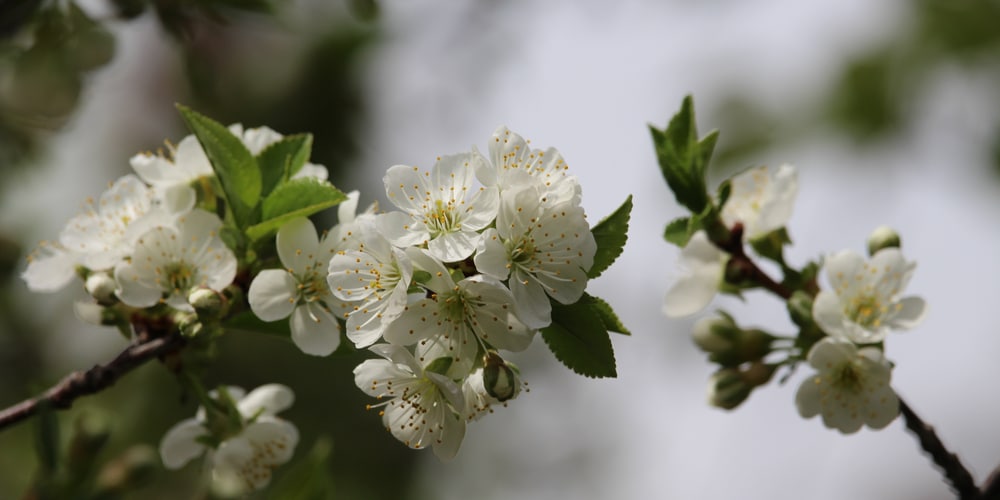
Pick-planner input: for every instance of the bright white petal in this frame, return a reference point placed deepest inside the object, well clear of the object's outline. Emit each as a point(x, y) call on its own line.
point(314, 330)
point(491, 256)
point(50, 271)
point(298, 244)
point(829, 314)
point(453, 247)
point(531, 302)
point(401, 229)
point(272, 294)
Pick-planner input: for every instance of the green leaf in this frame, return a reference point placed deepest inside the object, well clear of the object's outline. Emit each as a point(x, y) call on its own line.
point(295, 198)
point(232, 162)
point(683, 158)
point(578, 338)
point(281, 160)
point(677, 231)
point(309, 478)
point(608, 317)
point(611, 235)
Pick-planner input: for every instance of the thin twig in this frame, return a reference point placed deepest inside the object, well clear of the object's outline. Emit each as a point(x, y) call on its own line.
point(745, 266)
point(81, 383)
point(955, 473)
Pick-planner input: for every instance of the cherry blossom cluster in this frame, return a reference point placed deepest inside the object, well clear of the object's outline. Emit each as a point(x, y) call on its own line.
point(458, 272)
point(478, 254)
point(842, 328)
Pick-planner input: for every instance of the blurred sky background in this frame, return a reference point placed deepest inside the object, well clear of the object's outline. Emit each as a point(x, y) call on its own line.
point(889, 110)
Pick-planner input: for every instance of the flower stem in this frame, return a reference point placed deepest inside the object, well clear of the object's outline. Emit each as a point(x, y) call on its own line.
point(955, 473)
point(733, 245)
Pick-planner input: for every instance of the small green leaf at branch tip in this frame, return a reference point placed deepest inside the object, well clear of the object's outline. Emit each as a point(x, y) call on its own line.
point(295, 198)
point(683, 159)
point(232, 162)
point(281, 160)
point(608, 317)
point(610, 234)
point(578, 338)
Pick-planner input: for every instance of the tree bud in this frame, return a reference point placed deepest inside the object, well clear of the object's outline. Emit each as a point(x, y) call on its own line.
point(206, 301)
point(727, 389)
point(95, 314)
point(499, 378)
point(714, 334)
point(882, 237)
point(101, 287)
point(132, 469)
point(729, 345)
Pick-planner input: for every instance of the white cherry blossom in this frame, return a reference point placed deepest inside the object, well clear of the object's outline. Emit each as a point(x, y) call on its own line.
point(300, 290)
point(170, 261)
point(248, 454)
point(420, 408)
point(50, 267)
point(851, 388)
point(864, 301)
point(513, 163)
point(373, 279)
point(545, 250)
point(440, 208)
point(459, 316)
point(702, 265)
point(761, 199)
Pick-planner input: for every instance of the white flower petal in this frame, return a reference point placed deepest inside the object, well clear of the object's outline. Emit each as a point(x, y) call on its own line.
point(298, 244)
point(401, 229)
point(179, 446)
point(314, 330)
point(829, 314)
point(268, 399)
point(272, 294)
point(693, 292)
point(491, 256)
point(910, 312)
point(49, 270)
point(453, 247)
point(533, 307)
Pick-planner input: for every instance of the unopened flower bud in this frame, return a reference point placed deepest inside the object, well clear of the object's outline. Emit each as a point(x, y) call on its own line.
point(499, 378)
point(800, 306)
point(714, 334)
point(188, 324)
point(729, 345)
point(101, 287)
point(206, 301)
point(882, 237)
point(727, 389)
point(91, 432)
point(95, 314)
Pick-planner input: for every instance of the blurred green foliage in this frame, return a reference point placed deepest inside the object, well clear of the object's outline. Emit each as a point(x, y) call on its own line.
point(47, 50)
point(874, 93)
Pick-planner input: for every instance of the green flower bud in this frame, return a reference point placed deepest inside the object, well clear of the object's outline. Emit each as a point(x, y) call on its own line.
point(729, 345)
point(101, 287)
point(715, 334)
point(800, 306)
point(499, 378)
point(90, 434)
point(95, 314)
point(730, 387)
point(206, 301)
point(882, 237)
point(727, 389)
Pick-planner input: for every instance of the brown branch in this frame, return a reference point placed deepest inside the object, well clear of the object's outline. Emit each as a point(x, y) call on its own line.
point(957, 475)
point(740, 266)
point(81, 383)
